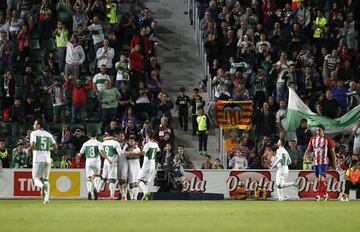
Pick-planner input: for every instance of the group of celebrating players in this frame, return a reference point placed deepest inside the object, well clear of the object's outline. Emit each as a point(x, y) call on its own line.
point(121, 162)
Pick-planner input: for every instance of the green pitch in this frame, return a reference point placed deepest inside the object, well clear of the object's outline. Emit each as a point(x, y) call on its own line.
point(80, 215)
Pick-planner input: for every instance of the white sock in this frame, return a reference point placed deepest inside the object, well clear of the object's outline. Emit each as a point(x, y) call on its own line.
point(96, 181)
point(89, 186)
point(136, 192)
point(144, 187)
point(38, 183)
point(123, 190)
point(46, 190)
point(279, 192)
point(101, 186)
point(112, 189)
point(286, 185)
point(132, 193)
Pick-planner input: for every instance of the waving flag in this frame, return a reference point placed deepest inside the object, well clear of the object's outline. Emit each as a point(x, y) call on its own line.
point(234, 114)
point(298, 110)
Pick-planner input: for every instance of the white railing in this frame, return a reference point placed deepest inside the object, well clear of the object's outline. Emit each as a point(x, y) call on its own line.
point(205, 70)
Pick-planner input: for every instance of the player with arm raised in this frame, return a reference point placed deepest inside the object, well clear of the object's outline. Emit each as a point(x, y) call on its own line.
point(113, 150)
point(92, 150)
point(321, 144)
point(41, 145)
point(148, 169)
point(133, 153)
point(282, 160)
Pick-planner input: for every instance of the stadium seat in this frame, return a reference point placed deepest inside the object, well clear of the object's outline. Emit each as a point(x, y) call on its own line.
point(94, 126)
point(35, 44)
point(19, 91)
point(19, 80)
point(35, 56)
point(49, 45)
point(6, 128)
point(36, 68)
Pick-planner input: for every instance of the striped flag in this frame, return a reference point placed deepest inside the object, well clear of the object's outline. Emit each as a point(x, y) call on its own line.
point(298, 110)
point(234, 114)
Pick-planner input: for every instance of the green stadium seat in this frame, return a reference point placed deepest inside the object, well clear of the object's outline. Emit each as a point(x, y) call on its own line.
point(49, 45)
point(36, 68)
point(34, 34)
point(36, 56)
point(6, 128)
point(19, 91)
point(94, 126)
point(19, 80)
point(35, 44)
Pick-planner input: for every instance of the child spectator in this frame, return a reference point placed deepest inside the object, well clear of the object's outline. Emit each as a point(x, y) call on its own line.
point(239, 161)
point(207, 163)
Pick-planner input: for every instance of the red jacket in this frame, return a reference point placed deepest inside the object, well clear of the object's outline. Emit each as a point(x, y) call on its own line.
point(79, 94)
point(136, 61)
point(24, 39)
point(136, 40)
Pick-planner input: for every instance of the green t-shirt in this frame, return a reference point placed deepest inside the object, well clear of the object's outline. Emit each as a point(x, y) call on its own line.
point(109, 98)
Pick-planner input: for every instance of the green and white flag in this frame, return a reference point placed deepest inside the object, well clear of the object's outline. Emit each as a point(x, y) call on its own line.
point(298, 110)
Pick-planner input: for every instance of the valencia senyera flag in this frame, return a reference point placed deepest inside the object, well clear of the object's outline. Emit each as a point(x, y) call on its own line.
point(234, 114)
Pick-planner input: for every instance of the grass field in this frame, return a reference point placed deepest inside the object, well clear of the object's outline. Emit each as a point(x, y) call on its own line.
point(80, 215)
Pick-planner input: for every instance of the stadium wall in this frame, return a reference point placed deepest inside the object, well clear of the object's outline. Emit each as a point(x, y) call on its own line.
point(71, 183)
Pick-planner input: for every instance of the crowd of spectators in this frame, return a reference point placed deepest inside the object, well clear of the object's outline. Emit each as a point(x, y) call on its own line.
point(80, 65)
point(256, 49)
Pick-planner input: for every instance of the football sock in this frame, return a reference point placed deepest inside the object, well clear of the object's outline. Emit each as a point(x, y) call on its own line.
point(123, 189)
point(112, 189)
point(96, 181)
point(38, 183)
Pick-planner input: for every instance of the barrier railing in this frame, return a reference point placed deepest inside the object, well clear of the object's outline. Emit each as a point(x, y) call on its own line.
point(205, 70)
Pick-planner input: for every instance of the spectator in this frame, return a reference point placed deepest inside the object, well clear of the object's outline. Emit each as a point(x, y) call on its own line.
point(65, 135)
point(196, 103)
point(75, 56)
point(239, 161)
point(100, 79)
point(182, 106)
point(4, 154)
point(33, 108)
point(57, 90)
point(163, 128)
point(96, 30)
point(166, 157)
point(283, 69)
point(108, 98)
point(7, 91)
point(328, 106)
point(78, 17)
point(77, 162)
point(24, 39)
point(18, 118)
point(352, 179)
point(339, 93)
point(183, 159)
point(264, 121)
point(303, 135)
point(142, 39)
point(295, 156)
point(112, 129)
point(64, 162)
point(122, 68)
point(203, 123)
point(61, 35)
point(20, 156)
point(45, 17)
point(137, 66)
point(105, 55)
point(207, 163)
point(281, 116)
point(217, 164)
point(77, 139)
point(79, 95)
point(356, 135)
point(129, 115)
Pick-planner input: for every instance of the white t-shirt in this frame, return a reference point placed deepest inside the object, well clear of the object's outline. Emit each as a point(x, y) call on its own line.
point(43, 141)
point(99, 80)
point(97, 33)
point(285, 67)
point(91, 149)
point(281, 117)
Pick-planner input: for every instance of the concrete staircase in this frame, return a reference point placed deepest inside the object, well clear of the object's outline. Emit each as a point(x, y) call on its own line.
point(181, 66)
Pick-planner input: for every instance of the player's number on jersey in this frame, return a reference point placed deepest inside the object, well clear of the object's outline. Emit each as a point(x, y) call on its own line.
point(107, 150)
point(43, 143)
point(92, 152)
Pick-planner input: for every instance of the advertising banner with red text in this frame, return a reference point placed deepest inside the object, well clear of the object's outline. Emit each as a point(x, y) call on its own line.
point(71, 183)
